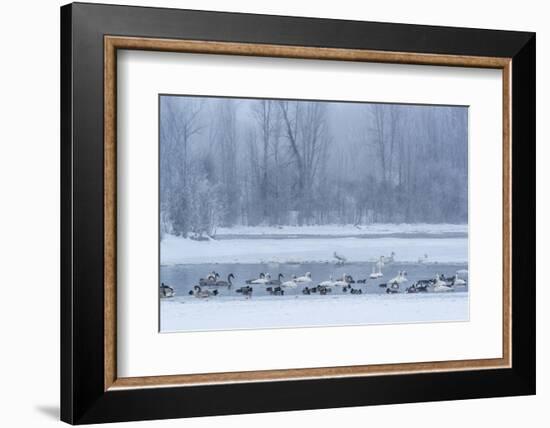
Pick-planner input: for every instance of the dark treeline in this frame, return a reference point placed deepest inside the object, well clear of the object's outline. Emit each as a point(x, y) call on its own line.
point(227, 162)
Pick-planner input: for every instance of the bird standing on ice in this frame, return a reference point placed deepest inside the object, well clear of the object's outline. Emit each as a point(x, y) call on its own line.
point(340, 260)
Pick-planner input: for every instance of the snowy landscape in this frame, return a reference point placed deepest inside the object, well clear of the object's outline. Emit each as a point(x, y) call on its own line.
point(277, 214)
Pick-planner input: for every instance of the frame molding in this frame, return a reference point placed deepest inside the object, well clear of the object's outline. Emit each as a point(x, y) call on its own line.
point(113, 43)
point(90, 391)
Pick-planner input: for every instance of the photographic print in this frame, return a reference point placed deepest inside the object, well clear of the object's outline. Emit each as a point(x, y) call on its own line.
point(278, 213)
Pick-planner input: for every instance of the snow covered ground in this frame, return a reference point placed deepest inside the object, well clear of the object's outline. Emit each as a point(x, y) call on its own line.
point(180, 314)
point(175, 250)
point(345, 230)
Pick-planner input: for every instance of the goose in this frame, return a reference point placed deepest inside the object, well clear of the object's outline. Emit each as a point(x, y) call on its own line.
point(400, 278)
point(275, 291)
point(227, 283)
point(202, 294)
point(440, 285)
point(340, 260)
point(305, 278)
point(376, 275)
point(245, 291)
point(392, 288)
point(276, 281)
point(166, 290)
point(323, 290)
point(306, 290)
point(418, 288)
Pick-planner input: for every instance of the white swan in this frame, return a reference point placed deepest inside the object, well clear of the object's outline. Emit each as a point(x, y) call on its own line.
point(400, 278)
point(389, 259)
point(305, 278)
point(440, 285)
point(291, 283)
point(262, 281)
point(374, 274)
point(327, 283)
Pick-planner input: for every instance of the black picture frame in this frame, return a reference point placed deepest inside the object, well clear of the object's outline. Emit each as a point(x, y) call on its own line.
point(83, 398)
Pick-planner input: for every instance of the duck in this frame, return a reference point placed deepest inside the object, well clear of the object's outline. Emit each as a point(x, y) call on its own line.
point(166, 290)
point(355, 291)
point(202, 294)
point(227, 283)
point(305, 278)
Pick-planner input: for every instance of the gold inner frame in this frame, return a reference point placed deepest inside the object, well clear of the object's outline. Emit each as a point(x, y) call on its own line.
point(113, 43)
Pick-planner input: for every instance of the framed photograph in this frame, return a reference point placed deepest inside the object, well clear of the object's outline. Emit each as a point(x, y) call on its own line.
point(266, 213)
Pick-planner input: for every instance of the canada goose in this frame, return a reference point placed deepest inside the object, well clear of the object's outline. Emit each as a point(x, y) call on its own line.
point(392, 288)
point(275, 291)
point(323, 290)
point(417, 288)
point(202, 294)
point(166, 290)
point(245, 291)
point(340, 260)
point(227, 283)
point(305, 278)
point(306, 290)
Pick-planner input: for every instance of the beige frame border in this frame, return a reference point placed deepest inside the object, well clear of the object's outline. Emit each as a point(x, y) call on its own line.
point(113, 43)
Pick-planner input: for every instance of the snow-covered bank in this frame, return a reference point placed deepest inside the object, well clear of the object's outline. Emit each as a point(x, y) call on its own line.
point(175, 250)
point(345, 230)
point(308, 311)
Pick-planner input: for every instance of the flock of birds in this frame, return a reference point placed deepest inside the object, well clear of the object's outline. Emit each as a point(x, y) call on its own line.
point(208, 286)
